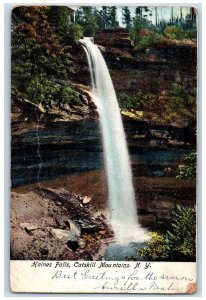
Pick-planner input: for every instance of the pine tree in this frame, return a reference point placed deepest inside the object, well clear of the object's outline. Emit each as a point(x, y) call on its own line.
point(126, 16)
point(59, 17)
point(113, 23)
point(104, 14)
point(87, 18)
point(138, 12)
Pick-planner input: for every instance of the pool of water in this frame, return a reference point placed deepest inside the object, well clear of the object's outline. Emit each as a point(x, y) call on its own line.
point(116, 252)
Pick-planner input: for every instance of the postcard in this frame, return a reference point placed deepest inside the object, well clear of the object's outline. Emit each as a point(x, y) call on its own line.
point(103, 149)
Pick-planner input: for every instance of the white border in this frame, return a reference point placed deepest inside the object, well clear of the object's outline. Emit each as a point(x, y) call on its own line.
point(3, 123)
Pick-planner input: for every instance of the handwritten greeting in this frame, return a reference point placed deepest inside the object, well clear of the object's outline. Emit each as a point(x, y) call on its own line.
point(104, 277)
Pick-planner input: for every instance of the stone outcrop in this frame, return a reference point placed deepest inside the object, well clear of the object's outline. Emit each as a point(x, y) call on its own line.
point(53, 224)
point(152, 69)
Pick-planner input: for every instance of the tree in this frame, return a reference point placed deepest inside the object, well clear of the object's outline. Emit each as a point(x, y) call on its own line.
point(172, 15)
point(181, 14)
point(126, 16)
point(59, 17)
point(193, 14)
point(104, 15)
point(143, 12)
point(40, 57)
point(87, 18)
point(113, 23)
point(138, 12)
point(156, 23)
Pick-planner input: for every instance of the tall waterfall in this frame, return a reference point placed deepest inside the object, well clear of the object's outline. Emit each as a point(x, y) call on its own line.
point(119, 176)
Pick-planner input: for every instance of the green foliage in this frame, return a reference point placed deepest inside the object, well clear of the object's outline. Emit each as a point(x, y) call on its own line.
point(42, 90)
point(188, 171)
point(127, 101)
point(76, 32)
point(45, 91)
point(59, 18)
point(142, 12)
point(182, 101)
point(156, 248)
point(143, 33)
point(140, 23)
point(41, 58)
point(191, 33)
point(179, 32)
point(94, 20)
point(138, 101)
point(178, 243)
point(126, 16)
point(67, 95)
point(149, 40)
point(113, 23)
point(174, 32)
point(86, 17)
point(178, 90)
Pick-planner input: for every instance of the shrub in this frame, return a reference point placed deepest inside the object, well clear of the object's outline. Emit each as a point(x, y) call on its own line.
point(76, 32)
point(68, 96)
point(178, 243)
point(141, 41)
point(44, 91)
point(189, 171)
point(138, 101)
point(182, 101)
point(156, 248)
point(150, 39)
point(127, 101)
point(191, 33)
point(174, 32)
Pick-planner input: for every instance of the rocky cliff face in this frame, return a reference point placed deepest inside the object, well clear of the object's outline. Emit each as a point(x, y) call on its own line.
point(152, 69)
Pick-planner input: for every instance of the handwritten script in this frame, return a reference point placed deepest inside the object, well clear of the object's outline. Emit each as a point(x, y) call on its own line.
point(128, 277)
point(103, 277)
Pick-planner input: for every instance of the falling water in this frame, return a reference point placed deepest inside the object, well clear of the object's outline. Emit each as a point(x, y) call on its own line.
point(119, 176)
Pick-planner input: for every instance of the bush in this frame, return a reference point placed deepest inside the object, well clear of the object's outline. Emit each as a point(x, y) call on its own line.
point(76, 32)
point(127, 101)
point(191, 33)
point(41, 54)
point(189, 171)
point(68, 96)
point(178, 243)
point(182, 101)
point(151, 39)
point(174, 32)
point(44, 91)
point(138, 101)
point(178, 90)
point(141, 41)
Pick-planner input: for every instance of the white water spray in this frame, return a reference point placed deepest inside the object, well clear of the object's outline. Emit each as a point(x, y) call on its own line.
point(119, 176)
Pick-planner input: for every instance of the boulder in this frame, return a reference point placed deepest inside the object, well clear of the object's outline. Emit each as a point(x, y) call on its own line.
point(64, 235)
point(74, 228)
point(86, 200)
point(28, 227)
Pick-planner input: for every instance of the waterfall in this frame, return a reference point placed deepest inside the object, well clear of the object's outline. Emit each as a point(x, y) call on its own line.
point(121, 194)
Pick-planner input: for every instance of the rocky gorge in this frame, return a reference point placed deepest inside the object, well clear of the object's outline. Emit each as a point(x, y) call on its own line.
point(59, 206)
